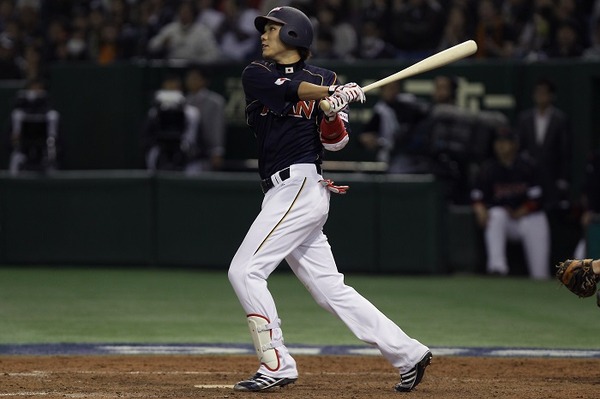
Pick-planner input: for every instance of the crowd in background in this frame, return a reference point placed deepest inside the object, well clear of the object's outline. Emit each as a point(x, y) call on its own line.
point(36, 33)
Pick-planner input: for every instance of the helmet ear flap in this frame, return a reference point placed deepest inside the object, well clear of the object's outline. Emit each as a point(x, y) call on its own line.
point(289, 35)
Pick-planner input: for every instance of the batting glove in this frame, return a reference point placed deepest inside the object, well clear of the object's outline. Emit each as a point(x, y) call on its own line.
point(337, 102)
point(328, 184)
point(353, 92)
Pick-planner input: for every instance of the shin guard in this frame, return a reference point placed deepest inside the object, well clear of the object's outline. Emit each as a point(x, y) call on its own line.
point(260, 330)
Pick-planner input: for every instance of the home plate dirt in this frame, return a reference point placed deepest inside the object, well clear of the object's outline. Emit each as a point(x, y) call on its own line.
point(352, 377)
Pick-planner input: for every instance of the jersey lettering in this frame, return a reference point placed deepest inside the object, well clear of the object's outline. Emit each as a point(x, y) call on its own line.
point(303, 109)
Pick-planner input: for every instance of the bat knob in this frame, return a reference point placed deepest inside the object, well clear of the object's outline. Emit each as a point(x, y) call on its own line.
point(324, 105)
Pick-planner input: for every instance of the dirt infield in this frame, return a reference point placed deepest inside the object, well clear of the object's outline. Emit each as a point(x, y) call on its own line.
point(189, 376)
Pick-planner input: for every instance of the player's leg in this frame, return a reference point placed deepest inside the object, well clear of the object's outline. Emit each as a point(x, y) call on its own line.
point(315, 266)
point(495, 240)
point(252, 264)
point(535, 235)
point(287, 217)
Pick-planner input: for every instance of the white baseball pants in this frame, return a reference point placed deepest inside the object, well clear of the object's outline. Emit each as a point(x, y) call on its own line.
point(289, 227)
point(532, 230)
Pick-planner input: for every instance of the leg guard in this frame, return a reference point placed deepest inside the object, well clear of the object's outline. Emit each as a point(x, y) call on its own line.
point(260, 330)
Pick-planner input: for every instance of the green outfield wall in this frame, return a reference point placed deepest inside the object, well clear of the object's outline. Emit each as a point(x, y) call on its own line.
point(386, 224)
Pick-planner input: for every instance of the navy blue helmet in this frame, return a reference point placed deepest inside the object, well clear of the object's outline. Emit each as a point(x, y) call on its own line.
point(297, 30)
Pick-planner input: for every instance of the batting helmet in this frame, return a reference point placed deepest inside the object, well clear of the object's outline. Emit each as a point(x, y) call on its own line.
point(297, 29)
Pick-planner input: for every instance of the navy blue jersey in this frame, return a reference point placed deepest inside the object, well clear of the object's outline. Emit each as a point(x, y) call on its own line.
point(511, 187)
point(286, 129)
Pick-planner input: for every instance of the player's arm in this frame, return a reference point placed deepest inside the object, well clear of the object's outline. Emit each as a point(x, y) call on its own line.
point(310, 91)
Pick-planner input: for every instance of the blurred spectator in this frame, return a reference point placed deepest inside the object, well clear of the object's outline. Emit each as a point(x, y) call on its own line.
point(323, 46)
point(211, 134)
point(590, 200)
point(32, 65)
point(76, 46)
point(30, 25)
point(210, 16)
point(545, 138)
point(372, 43)
point(570, 12)
point(56, 42)
point(9, 67)
point(518, 14)
point(122, 14)
point(109, 50)
point(171, 128)
point(493, 35)
point(7, 9)
point(536, 37)
point(33, 131)
point(566, 43)
point(507, 204)
point(593, 53)
point(150, 17)
point(184, 39)
point(332, 18)
point(238, 38)
point(416, 27)
point(456, 29)
point(95, 23)
point(390, 131)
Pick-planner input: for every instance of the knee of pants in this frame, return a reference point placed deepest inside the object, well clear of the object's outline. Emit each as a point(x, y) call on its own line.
point(243, 274)
point(236, 275)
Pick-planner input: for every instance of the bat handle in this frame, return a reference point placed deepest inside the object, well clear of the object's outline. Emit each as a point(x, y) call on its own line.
point(324, 105)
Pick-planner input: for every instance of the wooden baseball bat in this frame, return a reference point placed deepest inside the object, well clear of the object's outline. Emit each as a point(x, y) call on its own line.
point(437, 60)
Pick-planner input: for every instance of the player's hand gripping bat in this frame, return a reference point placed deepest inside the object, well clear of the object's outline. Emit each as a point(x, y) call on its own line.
point(437, 60)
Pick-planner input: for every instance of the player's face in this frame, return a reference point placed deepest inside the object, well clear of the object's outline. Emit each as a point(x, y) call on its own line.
point(272, 46)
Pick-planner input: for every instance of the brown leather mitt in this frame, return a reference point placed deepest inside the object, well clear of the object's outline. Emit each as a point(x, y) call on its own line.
point(578, 276)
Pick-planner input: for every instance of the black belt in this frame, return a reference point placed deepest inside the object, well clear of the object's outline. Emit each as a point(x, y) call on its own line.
point(284, 174)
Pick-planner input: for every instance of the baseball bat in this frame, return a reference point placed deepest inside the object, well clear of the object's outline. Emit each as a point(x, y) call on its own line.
point(437, 60)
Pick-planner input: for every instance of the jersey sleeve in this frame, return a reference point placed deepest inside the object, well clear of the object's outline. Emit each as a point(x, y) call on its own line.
point(269, 88)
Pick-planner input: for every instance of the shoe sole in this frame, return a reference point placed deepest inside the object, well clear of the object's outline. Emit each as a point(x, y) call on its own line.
point(421, 366)
point(279, 384)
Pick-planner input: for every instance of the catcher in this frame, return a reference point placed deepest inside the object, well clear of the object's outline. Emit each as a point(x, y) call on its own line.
point(580, 276)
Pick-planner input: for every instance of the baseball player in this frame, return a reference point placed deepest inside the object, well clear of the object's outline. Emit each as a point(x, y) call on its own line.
point(282, 109)
point(507, 201)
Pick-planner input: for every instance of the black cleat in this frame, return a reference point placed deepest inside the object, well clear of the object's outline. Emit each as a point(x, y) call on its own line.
point(410, 379)
point(260, 382)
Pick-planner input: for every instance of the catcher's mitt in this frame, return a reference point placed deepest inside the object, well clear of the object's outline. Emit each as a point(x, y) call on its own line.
point(578, 276)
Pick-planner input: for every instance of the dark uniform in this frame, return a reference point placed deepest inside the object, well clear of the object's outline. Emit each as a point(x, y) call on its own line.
point(511, 187)
point(286, 129)
point(503, 190)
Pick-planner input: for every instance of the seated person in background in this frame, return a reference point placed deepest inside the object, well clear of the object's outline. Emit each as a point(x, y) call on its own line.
point(507, 204)
point(170, 129)
point(590, 200)
point(390, 130)
point(34, 131)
